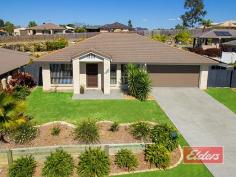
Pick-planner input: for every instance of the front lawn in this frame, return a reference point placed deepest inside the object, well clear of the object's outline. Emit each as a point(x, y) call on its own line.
point(46, 107)
point(225, 96)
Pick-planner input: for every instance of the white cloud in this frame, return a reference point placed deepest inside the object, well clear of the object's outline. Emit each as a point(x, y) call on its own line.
point(144, 20)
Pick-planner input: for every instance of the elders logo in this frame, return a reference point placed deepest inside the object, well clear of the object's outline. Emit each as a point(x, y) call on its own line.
point(197, 155)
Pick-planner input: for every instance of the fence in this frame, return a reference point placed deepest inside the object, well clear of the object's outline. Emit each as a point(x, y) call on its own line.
point(29, 38)
point(222, 78)
point(40, 153)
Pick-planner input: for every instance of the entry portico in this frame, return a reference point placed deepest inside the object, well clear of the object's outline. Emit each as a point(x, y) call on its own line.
point(91, 70)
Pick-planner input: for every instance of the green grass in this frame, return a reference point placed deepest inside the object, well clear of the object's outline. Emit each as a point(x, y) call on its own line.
point(46, 107)
point(225, 96)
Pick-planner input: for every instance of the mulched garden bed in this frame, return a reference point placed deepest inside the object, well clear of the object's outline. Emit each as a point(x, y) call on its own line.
point(66, 136)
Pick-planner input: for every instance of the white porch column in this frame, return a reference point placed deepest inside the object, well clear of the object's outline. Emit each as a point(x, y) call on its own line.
point(76, 76)
point(46, 76)
point(203, 77)
point(118, 75)
point(106, 76)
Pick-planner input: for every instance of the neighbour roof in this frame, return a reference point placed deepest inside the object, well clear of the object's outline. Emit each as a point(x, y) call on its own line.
point(10, 60)
point(230, 43)
point(47, 26)
point(217, 33)
point(128, 48)
point(115, 25)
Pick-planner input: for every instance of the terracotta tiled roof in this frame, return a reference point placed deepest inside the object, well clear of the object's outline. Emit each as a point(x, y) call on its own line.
point(128, 48)
point(115, 25)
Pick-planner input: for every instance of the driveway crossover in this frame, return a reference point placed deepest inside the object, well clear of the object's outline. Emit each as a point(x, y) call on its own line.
point(203, 121)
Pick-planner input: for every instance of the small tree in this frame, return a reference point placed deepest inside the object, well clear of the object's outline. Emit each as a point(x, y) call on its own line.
point(9, 27)
point(126, 159)
point(1, 23)
point(139, 83)
point(58, 164)
point(205, 24)
point(130, 24)
point(32, 24)
point(93, 163)
point(11, 114)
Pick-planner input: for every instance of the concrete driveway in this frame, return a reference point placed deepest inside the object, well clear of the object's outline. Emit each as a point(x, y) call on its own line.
point(203, 121)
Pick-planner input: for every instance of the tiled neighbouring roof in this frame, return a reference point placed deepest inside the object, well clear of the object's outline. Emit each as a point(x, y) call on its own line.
point(128, 48)
point(10, 60)
point(47, 26)
point(217, 33)
point(115, 25)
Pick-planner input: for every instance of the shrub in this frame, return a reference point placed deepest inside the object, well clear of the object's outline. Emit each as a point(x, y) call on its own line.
point(160, 37)
point(139, 83)
point(22, 79)
point(114, 127)
point(55, 131)
point(21, 92)
point(24, 133)
point(157, 155)
point(93, 162)
point(183, 37)
point(140, 130)
point(87, 132)
point(80, 30)
point(56, 44)
point(165, 135)
point(58, 164)
point(126, 159)
point(22, 167)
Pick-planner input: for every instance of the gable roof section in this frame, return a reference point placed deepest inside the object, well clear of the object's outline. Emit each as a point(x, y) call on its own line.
point(47, 26)
point(128, 48)
point(115, 25)
point(10, 60)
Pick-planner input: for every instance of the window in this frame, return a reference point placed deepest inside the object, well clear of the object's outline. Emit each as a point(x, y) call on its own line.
point(124, 77)
point(61, 73)
point(113, 79)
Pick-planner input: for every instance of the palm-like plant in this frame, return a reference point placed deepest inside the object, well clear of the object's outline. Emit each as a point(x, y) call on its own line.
point(139, 84)
point(11, 114)
point(205, 23)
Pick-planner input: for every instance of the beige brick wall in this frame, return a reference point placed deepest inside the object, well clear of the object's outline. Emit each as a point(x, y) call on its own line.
point(46, 77)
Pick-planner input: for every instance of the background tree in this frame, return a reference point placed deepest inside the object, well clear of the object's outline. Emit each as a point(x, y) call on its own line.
point(11, 114)
point(32, 24)
point(205, 23)
point(183, 37)
point(1, 23)
point(9, 27)
point(179, 26)
point(195, 12)
point(130, 24)
point(80, 30)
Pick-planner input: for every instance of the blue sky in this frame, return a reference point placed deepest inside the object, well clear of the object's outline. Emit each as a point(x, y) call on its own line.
point(149, 13)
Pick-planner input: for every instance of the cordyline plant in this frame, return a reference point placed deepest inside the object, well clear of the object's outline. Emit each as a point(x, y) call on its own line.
point(22, 79)
point(139, 83)
point(11, 114)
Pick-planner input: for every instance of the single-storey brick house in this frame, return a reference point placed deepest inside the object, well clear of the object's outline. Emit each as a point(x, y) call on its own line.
point(98, 63)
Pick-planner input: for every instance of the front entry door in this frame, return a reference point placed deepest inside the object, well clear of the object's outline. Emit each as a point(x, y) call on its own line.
point(92, 75)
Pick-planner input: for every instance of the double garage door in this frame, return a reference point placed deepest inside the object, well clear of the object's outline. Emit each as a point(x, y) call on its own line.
point(174, 75)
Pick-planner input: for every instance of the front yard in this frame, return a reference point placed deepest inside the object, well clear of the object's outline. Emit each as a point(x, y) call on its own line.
point(225, 96)
point(46, 107)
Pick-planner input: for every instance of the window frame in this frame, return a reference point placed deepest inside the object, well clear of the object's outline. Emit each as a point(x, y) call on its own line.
point(113, 76)
point(60, 77)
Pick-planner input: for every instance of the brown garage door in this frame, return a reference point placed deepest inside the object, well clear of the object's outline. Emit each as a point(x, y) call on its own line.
point(173, 75)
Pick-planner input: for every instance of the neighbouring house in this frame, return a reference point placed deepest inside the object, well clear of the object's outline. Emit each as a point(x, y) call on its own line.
point(213, 38)
point(11, 62)
point(115, 27)
point(229, 52)
point(69, 29)
point(20, 31)
point(92, 28)
point(3, 32)
point(46, 28)
point(99, 63)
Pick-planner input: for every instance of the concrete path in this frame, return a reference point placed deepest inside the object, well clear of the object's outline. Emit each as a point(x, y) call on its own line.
point(203, 121)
